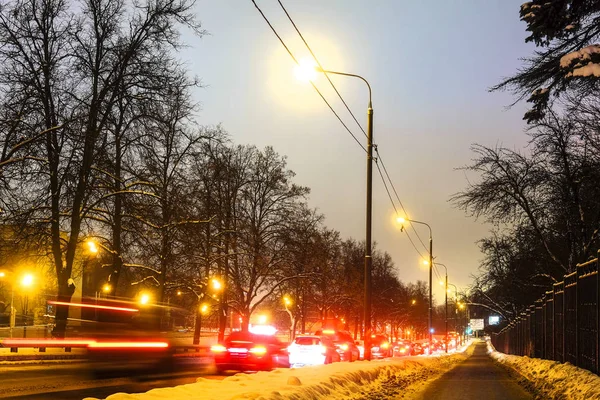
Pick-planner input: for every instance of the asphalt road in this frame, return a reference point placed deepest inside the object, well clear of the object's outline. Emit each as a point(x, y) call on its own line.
point(476, 378)
point(76, 380)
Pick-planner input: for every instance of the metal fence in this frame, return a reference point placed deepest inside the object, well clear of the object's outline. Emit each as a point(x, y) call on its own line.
point(562, 325)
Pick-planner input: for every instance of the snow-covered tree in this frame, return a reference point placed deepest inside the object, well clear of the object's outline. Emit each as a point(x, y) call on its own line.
point(567, 34)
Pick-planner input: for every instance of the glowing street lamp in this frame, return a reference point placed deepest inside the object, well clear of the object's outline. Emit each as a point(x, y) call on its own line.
point(262, 319)
point(445, 302)
point(216, 284)
point(402, 221)
point(26, 282)
point(203, 308)
point(92, 246)
point(144, 299)
point(106, 288)
point(304, 71)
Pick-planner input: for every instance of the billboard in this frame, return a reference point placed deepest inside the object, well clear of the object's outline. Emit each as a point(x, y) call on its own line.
point(477, 324)
point(494, 320)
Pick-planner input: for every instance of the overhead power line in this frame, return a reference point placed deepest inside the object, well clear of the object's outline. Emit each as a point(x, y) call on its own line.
point(340, 119)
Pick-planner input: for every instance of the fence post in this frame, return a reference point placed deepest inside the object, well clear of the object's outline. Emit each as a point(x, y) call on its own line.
point(549, 324)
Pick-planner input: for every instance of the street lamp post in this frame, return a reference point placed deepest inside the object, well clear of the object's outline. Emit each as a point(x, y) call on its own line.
point(446, 304)
point(26, 282)
point(368, 259)
point(287, 302)
point(401, 221)
point(455, 305)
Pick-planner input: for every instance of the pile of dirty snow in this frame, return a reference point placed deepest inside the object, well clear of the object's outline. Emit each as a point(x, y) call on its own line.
point(552, 379)
point(342, 380)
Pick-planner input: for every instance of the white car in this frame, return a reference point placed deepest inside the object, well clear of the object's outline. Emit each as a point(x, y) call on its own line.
point(312, 350)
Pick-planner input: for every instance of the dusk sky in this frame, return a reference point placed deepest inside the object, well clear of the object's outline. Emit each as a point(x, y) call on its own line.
point(430, 65)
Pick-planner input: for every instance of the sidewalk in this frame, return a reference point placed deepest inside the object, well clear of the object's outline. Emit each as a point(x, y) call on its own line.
point(476, 378)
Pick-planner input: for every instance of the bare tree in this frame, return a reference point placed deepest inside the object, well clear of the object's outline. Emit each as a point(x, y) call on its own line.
point(73, 60)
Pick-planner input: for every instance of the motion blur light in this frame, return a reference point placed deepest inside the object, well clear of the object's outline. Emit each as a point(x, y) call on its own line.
point(218, 348)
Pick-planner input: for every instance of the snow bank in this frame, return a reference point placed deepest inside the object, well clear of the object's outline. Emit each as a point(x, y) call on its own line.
point(342, 380)
point(551, 379)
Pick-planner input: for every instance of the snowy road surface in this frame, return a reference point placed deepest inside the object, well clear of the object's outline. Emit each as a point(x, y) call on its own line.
point(476, 378)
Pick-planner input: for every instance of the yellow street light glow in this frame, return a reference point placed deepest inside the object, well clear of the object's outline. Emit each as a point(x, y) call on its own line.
point(441, 283)
point(425, 262)
point(216, 284)
point(106, 288)
point(262, 319)
point(92, 246)
point(306, 70)
point(287, 301)
point(2, 274)
point(179, 293)
point(414, 302)
point(144, 298)
point(203, 308)
point(400, 220)
point(27, 280)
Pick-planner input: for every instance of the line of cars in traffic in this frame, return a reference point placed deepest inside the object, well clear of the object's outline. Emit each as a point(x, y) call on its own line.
point(245, 351)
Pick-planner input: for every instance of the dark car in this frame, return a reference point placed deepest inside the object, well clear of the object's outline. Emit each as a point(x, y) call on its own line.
point(344, 344)
point(380, 346)
point(243, 351)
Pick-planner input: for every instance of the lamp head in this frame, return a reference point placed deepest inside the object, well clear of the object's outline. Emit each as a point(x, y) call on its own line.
point(401, 221)
point(306, 70)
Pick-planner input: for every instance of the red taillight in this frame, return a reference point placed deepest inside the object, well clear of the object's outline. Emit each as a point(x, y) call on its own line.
point(344, 347)
point(385, 345)
point(258, 350)
point(217, 348)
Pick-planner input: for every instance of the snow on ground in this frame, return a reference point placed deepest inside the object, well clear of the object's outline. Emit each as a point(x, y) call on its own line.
point(551, 379)
point(358, 380)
